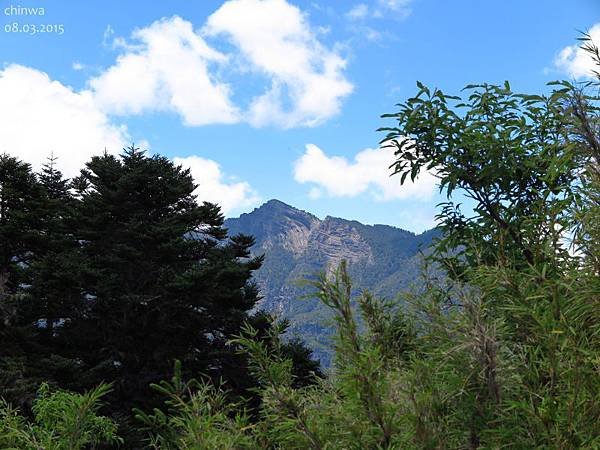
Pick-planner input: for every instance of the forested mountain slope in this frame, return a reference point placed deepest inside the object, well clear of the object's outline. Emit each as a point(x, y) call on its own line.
point(297, 245)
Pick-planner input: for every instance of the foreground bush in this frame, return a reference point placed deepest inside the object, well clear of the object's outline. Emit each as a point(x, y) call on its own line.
point(483, 365)
point(62, 421)
point(454, 372)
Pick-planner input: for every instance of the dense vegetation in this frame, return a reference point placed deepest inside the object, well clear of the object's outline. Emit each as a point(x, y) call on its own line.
point(112, 277)
point(502, 351)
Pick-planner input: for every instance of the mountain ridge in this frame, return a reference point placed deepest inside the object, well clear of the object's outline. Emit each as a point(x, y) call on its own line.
point(297, 245)
point(275, 203)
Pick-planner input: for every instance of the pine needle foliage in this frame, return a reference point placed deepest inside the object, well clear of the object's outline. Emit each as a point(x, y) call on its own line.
point(62, 421)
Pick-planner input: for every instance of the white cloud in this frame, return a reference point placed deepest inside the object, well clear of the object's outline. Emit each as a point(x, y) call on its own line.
point(358, 12)
point(401, 8)
point(166, 68)
point(40, 116)
point(395, 9)
point(575, 61)
point(169, 66)
point(107, 35)
point(369, 172)
point(373, 35)
point(307, 84)
point(214, 186)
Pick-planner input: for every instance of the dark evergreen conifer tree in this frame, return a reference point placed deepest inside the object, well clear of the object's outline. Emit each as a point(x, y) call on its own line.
point(115, 275)
point(54, 290)
point(162, 280)
point(54, 295)
point(20, 195)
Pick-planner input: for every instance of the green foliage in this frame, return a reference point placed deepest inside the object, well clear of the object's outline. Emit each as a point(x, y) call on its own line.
point(499, 350)
point(284, 415)
point(134, 274)
point(62, 421)
point(510, 153)
point(454, 372)
point(20, 197)
point(113, 276)
point(359, 407)
point(530, 324)
point(198, 415)
point(54, 293)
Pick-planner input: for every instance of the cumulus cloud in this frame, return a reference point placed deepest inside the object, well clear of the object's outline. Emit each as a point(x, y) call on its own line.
point(575, 61)
point(368, 173)
point(40, 116)
point(165, 67)
point(169, 66)
point(216, 187)
point(274, 38)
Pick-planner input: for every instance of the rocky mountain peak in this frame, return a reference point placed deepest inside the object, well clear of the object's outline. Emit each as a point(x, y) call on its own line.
point(297, 244)
point(277, 207)
point(276, 224)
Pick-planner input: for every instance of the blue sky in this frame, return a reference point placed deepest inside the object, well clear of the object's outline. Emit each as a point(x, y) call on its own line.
point(267, 99)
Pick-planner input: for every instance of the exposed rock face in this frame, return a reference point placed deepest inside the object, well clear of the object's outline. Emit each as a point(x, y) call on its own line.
point(335, 240)
point(297, 245)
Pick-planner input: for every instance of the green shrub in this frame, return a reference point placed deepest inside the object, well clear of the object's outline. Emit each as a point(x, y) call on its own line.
point(61, 421)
